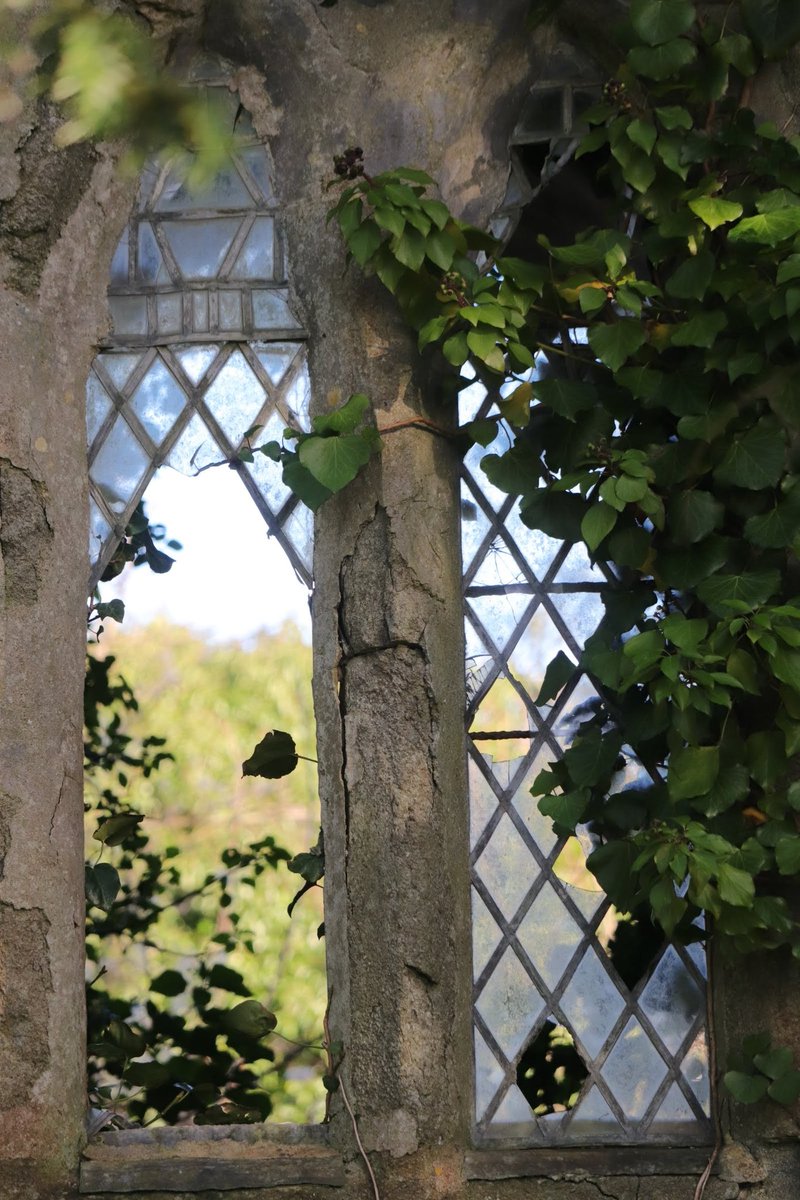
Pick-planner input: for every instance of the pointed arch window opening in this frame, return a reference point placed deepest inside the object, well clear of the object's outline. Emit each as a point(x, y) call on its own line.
point(552, 992)
point(204, 345)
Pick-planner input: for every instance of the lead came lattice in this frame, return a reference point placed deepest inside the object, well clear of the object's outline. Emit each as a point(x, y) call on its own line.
point(547, 961)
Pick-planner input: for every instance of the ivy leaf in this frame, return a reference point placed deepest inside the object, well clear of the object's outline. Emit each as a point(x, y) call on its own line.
point(714, 212)
point(747, 1089)
point(778, 527)
point(456, 350)
point(273, 757)
point(674, 117)
point(692, 771)
point(565, 397)
point(409, 249)
point(787, 855)
point(517, 471)
point(755, 459)
point(516, 408)
point(335, 461)
point(691, 280)
point(735, 886)
point(113, 831)
point(591, 759)
point(303, 484)
point(786, 1088)
point(364, 241)
point(615, 343)
point(750, 587)
point(693, 515)
point(250, 1018)
point(642, 134)
point(769, 228)
point(432, 330)
point(440, 249)
point(660, 62)
point(774, 25)
point(700, 330)
point(101, 885)
point(597, 524)
point(658, 21)
point(558, 674)
point(565, 811)
point(612, 867)
point(558, 514)
point(668, 907)
point(345, 419)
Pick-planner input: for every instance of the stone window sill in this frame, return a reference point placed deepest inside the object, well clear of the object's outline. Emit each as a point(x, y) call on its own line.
point(195, 1158)
point(589, 1162)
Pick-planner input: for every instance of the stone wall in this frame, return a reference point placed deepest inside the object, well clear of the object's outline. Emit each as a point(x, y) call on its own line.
point(422, 82)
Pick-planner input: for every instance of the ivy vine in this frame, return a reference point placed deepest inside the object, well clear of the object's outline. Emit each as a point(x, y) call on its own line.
point(655, 419)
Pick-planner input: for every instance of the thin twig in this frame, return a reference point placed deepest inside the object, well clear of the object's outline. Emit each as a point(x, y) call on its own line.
point(333, 1069)
point(359, 1143)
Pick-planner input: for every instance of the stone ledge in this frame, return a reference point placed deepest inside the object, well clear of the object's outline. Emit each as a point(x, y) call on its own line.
point(585, 1163)
point(210, 1158)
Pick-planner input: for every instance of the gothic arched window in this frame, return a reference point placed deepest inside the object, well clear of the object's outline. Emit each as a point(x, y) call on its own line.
point(204, 346)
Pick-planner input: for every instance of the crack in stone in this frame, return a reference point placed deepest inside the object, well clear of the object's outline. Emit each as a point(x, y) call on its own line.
point(334, 44)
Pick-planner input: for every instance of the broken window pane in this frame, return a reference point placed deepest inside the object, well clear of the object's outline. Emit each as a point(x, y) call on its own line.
point(588, 1025)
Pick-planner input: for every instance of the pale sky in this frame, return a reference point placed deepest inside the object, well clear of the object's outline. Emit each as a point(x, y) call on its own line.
point(230, 580)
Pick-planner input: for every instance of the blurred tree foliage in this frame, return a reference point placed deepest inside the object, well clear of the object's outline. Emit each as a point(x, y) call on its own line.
point(190, 945)
point(108, 74)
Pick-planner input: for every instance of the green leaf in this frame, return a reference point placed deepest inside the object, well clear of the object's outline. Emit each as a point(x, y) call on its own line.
point(674, 117)
point(565, 397)
point(642, 134)
point(101, 885)
point(611, 866)
point(390, 219)
point(113, 831)
point(409, 249)
point(597, 524)
point(273, 757)
point(146, 1074)
point(714, 212)
point(736, 887)
point(129, 1040)
point(691, 280)
point(658, 21)
point(345, 419)
point(303, 483)
point(751, 588)
point(778, 527)
point(558, 514)
point(169, 983)
point(767, 229)
point(516, 407)
point(517, 471)
point(364, 241)
point(660, 62)
point(438, 212)
point(456, 350)
point(774, 25)
point(565, 811)
point(692, 771)
point(483, 431)
point(440, 249)
point(250, 1018)
point(731, 787)
point(786, 1088)
point(755, 459)
point(432, 330)
point(700, 330)
point(591, 759)
point(668, 907)
point(747, 1089)
point(787, 854)
point(558, 674)
point(335, 461)
point(693, 515)
point(615, 343)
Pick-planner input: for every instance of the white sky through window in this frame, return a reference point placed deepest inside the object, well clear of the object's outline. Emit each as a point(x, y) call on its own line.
point(230, 580)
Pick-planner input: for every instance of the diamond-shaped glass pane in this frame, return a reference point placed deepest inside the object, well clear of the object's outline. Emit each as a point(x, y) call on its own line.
point(671, 1000)
point(488, 1075)
point(592, 1003)
point(486, 934)
point(593, 1115)
point(98, 406)
point(514, 1109)
point(235, 398)
point(255, 260)
point(158, 401)
point(633, 1070)
point(119, 466)
point(195, 360)
point(200, 247)
point(510, 1004)
point(675, 1107)
point(506, 867)
point(549, 935)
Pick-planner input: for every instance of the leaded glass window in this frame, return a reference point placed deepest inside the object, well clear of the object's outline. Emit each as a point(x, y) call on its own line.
point(588, 1026)
point(204, 345)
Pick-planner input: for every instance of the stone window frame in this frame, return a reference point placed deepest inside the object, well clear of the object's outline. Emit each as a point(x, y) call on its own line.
point(208, 1159)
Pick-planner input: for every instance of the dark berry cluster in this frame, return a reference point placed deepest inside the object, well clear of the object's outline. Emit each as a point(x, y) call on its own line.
point(349, 165)
point(453, 287)
point(615, 92)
